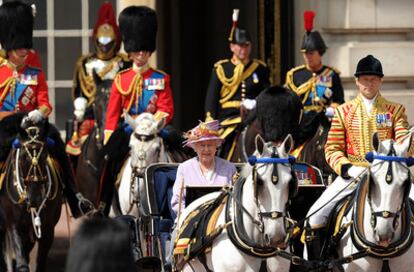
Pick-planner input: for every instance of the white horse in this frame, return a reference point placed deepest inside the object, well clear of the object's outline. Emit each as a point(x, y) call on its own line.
point(146, 148)
point(382, 224)
point(264, 215)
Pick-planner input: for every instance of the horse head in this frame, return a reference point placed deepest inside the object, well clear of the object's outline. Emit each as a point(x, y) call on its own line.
point(146, 145)
point(103, 88)
point(32, 176)
point(274, 184)
point(389, 186)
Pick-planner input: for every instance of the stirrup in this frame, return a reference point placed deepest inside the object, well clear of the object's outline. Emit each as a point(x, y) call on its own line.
point(85, 206)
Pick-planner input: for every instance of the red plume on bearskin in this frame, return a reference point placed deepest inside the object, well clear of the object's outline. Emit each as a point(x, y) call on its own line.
point(106, 15)
point(308, 20)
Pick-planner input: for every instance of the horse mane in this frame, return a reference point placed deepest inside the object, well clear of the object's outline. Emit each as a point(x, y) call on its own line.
point(11, 125)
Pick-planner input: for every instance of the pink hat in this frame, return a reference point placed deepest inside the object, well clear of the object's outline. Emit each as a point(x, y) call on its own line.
point(203, 132)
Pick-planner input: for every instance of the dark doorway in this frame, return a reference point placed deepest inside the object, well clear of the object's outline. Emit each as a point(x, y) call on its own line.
point(193, 35)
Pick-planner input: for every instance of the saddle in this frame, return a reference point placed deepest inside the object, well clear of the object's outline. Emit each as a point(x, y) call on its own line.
point(199, 230)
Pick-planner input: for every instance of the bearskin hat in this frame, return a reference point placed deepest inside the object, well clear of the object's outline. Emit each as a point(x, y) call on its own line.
point(278, 111)
point(369, 66)
point(312, 40)
point(138, 25)
point(16, 26)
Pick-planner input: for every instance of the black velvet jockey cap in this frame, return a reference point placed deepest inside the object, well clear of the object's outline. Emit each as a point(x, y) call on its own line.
point(16, 26)
point(241, 36)
point(369, 66)
point(138, 25)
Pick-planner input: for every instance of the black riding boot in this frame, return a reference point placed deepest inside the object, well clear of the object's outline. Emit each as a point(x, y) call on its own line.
point(116, 151)
point(315, 239)
point(77, 203)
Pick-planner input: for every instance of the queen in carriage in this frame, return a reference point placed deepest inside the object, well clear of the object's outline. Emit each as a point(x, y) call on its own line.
point(204, 169)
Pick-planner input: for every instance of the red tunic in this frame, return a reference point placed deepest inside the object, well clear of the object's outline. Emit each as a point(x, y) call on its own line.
point(33, 83)
point(136, 93)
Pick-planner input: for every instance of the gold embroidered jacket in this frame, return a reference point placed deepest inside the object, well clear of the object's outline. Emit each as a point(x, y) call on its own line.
point(349, 138)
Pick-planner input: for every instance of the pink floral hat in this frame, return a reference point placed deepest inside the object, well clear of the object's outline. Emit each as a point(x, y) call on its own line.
point(203, 132)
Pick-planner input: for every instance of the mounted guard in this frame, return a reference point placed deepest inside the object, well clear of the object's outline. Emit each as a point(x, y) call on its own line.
point(134, 91)
point(234, 85)
point(318, 86)
point(23, 88)
point(105, 62)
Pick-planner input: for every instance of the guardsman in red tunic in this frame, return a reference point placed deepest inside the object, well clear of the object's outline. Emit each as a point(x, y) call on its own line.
point(23, 88)
point(349, 140)
point(135, 90)
point(105, 62)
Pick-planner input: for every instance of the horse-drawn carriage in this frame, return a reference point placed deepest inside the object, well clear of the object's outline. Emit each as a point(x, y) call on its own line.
point(157, 217)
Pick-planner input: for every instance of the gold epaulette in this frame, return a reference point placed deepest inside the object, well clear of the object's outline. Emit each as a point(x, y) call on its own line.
point(260, 62)
point(289, 77)
point(87, 85)
point(333, 69)
point(220, 62)
point(159, 71)
point(297, 68)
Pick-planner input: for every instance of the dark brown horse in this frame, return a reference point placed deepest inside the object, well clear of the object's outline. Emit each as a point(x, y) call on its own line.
point(313, 151)
point(91, 160)
point(30, 199)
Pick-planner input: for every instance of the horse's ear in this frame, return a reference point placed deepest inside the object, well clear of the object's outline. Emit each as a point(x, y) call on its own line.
point(288, 143)
point(375, 141)
point(259, 143)
point(130, 121)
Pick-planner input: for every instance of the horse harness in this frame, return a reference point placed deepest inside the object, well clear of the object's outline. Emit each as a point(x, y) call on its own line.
point(34, 149)
point(231, 198)
point(136, 173)
point(365, 247)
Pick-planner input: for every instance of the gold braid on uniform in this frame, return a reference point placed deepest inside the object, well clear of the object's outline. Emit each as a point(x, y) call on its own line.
point(230, 85)
point(87, 83)
point(228, 90)
point(8, 85)
point(135, 88)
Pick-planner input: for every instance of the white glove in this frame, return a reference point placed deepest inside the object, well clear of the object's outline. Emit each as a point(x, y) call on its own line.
point(35, 116)
point(330, 112)
point(249, 104)
point(355, 171)
point(80, 105)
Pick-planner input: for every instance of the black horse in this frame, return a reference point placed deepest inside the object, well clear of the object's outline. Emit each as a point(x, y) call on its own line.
point(91, 161)
point(30, 198)
point(313, 151)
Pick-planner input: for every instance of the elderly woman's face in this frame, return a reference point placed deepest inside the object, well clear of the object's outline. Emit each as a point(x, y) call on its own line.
point(206, 150)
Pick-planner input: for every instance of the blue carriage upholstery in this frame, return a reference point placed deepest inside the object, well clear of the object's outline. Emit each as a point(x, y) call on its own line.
point(160, 177)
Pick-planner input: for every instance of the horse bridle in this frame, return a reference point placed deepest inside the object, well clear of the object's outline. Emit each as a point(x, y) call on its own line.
point(390, 158)
point(136, 174)
point(34, 149)
point(275, 160)
point(33, 144)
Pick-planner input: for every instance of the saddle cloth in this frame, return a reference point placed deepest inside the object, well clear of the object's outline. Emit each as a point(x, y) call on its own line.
point(198, 231)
